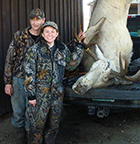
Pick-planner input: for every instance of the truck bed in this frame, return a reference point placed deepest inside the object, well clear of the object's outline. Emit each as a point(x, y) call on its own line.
point(117, 92)
point(120, 96)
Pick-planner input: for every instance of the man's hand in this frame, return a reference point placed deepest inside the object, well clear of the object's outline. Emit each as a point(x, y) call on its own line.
point(32, 102)
point(8, 89)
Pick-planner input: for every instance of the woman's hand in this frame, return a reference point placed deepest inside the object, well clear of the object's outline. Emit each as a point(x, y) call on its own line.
point(81, 36)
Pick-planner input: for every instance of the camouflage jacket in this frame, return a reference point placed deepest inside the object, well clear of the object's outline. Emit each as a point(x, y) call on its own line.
point(16, 55)
point(44, 70)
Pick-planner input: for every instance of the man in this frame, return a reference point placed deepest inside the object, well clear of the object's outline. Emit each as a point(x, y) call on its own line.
point(14, 71)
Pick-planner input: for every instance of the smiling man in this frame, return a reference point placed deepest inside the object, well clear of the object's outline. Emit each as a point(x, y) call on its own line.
point(14, 71)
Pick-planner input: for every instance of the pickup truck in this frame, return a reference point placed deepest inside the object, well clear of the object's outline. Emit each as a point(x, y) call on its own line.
point(102, 101)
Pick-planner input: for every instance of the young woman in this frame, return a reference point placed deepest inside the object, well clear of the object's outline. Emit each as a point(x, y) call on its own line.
point(45, 65)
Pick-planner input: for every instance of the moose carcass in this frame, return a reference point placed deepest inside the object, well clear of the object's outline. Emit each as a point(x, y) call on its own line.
point(114, 49)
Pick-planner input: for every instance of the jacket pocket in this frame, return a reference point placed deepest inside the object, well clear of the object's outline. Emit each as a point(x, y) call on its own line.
point(59, 57)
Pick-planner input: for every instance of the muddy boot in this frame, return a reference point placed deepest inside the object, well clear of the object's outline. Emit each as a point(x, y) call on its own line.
point(20, 135)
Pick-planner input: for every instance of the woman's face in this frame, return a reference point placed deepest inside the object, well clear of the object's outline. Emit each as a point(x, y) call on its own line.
point(50, 34)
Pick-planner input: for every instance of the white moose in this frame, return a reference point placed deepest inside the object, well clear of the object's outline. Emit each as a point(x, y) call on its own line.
point(113, 51)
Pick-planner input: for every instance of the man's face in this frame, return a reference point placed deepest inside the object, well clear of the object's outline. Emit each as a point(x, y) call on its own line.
point(36, 23)
point(49, 34)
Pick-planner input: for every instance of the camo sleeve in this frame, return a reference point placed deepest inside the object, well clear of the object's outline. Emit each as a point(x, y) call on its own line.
point(9, 62)
point(30, 72)
point(73, 58)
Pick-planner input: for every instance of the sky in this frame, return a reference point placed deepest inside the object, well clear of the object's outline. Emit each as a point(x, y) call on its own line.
point(86, 12)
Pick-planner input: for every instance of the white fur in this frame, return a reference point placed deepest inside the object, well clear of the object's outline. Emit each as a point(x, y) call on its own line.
point(112, 39)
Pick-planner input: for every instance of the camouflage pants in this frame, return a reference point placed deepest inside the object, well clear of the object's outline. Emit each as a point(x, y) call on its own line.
point(44, 120)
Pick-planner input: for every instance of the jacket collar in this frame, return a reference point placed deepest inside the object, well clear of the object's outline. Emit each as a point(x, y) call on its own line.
point(26, 33)
point(59, 45)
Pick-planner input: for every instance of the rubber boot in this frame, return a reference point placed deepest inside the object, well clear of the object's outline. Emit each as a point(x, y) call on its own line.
point(20, 135)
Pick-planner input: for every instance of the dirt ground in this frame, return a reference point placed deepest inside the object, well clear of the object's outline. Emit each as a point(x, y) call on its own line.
point(81, 128)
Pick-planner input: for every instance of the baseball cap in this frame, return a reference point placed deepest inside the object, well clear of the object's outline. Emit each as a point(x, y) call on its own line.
point(50, 23)
point(37, 13)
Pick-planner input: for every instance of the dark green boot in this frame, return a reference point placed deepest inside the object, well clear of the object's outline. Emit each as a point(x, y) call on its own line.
point(20, 135)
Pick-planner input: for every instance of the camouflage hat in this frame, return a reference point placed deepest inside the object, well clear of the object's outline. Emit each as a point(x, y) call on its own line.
point(37, 13)
point(50, 23)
